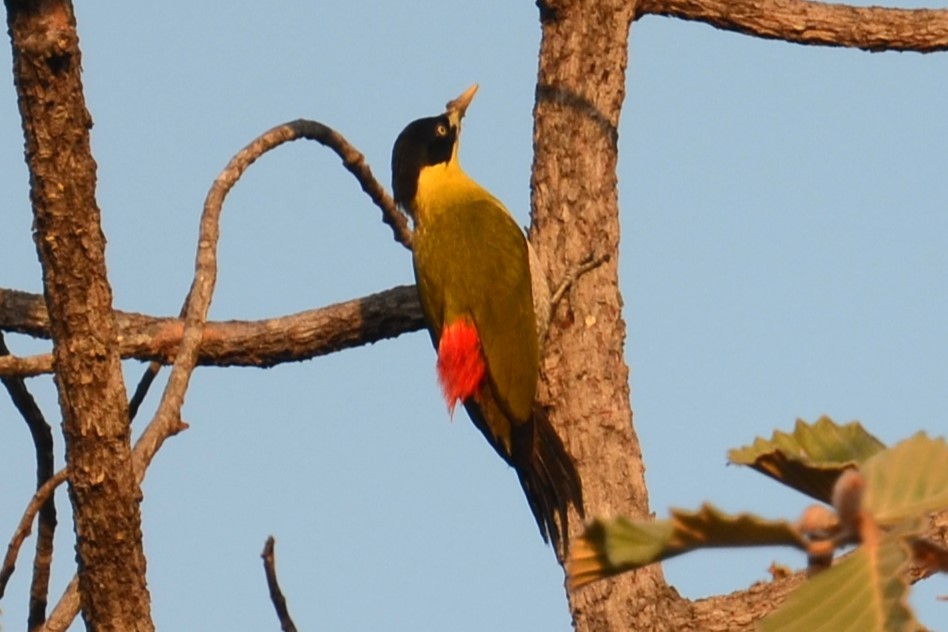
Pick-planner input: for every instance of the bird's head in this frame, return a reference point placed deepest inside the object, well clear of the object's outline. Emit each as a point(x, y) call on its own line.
point(425, 143)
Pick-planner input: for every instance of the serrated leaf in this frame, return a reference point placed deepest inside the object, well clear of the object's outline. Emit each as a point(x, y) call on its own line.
point(610, 547)
point(812, 457)
point(866, 592)
point(710, 527)
point(908, 480)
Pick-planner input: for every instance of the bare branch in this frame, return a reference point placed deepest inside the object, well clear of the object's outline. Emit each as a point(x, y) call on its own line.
point(14, 366)
point(276, 595)
point(261, 343)
point(42, 436)
point(167, 420)
point(258, 343)
point(144, 383)
point(355, 163)
point(815, 23)
point(199, 297)
point(44, 493)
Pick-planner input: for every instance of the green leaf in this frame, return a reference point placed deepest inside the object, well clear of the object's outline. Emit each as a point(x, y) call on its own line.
point(812, 457)
point(610, 547)
point(865, 592)
point(908, 480)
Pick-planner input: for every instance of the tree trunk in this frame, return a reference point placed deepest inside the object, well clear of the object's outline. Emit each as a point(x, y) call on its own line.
point(71, 247)
point(580, 90)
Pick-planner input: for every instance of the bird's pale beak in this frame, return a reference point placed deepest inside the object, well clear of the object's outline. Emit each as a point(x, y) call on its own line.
point(455, 109)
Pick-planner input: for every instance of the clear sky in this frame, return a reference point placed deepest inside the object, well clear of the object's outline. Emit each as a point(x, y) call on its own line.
point(785, 231)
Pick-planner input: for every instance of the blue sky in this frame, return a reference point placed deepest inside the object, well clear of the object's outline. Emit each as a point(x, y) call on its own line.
point(784, 255)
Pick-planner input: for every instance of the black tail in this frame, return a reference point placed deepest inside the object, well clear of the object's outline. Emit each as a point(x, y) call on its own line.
point(548, 476)
point(546, 471)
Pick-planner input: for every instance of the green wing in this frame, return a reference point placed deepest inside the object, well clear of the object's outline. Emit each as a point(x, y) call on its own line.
point(471, 261)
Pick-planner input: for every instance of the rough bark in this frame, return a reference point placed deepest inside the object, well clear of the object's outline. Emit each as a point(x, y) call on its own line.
point(816, 23)
point(260, 343)
point(71, 248)
point(580, 90)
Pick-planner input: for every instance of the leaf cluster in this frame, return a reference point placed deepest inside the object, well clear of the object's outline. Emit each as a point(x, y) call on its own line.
point(869, 495)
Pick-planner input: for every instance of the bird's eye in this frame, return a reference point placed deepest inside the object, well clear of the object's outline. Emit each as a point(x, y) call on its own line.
point(441, 130)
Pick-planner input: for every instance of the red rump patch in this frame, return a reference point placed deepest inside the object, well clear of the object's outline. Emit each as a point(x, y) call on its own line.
point(460, 362)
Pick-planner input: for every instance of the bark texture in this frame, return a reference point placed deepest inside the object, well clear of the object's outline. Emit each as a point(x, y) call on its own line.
point(816, 23)
point(259, 343)
point(71, 248)
point(580, 90)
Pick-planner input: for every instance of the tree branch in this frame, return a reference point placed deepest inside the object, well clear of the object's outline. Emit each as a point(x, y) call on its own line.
point(741, 610)
point(355, 163)
point(261, 343)
point(43, 494)
point(276, 595)
point(64, 613)
point(167, 420)
point(815, 23)
point(42, 436)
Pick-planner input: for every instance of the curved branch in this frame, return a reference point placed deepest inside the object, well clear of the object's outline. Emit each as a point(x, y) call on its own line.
point(42, 495)
point(260, 343)
point(355, 163)
point(312, 333)
point(815, 23)
point(167, 420)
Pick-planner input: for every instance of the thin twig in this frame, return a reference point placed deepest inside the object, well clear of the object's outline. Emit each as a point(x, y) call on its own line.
point(144, 383)
point(591, 262)
point(355, 163)
point(276, 595)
